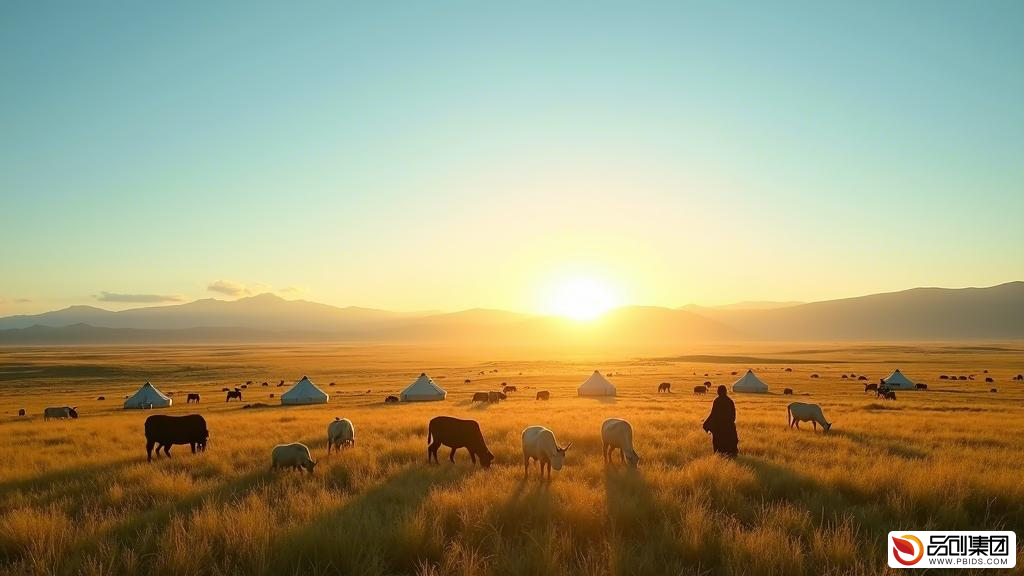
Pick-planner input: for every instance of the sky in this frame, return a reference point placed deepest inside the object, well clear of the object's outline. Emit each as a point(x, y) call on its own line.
point(451, 155)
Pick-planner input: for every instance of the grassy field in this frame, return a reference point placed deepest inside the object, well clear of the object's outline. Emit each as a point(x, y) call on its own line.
point(78, 497)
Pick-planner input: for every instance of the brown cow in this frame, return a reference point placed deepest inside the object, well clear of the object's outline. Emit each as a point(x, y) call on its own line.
point(456, 433)
point(234, 394)
point(481, 397)
point(391, 400)
point(509, 389)
point(700, 390)
point(192, 397)
point(665, 387)
point(543, 395)
point(871, 388)
point(787, 392)
point(920, 386)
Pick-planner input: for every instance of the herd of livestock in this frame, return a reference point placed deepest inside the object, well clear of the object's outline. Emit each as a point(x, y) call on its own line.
point(539, 443)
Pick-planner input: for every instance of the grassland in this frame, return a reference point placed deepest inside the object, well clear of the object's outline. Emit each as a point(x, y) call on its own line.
point(78, 497)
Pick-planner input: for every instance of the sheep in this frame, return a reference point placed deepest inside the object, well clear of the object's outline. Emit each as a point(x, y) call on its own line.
point(618, 433)
point(340, 434)
point(295, 456)
point(800, 412)
point(539, 444)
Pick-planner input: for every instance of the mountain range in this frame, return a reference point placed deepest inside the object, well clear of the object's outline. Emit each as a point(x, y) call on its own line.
point(937, 314)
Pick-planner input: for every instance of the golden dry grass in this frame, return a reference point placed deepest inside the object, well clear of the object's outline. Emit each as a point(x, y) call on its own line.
point(78, 497)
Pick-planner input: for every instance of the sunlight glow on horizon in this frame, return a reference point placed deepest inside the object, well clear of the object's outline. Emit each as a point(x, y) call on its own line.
point(581, 298)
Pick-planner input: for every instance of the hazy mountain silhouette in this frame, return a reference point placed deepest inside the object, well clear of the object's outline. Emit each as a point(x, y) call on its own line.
point(996, 312)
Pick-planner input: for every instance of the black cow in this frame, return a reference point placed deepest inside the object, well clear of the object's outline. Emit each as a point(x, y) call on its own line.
point(192, 397)
point(664, 387)
point(920, 386)
point(871, 388)
point(481, 397)
point(509, 389)
point(164, 431)
point(234, 394)
point(391, 400)
point(988, 379)
point(495, 397)
point(543, 395)
point(787, 392)
point(102, 398)
point(21, 412)
point(700, 390)
point(455, 434)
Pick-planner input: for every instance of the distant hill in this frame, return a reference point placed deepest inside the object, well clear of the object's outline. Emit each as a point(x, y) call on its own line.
point(994, 313)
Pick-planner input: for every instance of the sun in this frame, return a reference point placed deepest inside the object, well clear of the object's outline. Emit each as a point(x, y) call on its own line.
point(580, 298)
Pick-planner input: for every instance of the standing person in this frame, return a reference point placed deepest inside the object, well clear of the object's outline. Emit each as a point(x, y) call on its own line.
point(721, 423)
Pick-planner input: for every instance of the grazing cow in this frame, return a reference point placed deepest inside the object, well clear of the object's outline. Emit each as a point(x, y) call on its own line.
point(331, 384)
point(192, 397)
point(467, 381)
point(540, 445)
point(871, 388)
point(665, 387)
point(920, 386)
point(994, 390)
point(225, 390)
point(707, 384)
point(163, 431)
point(21, 412)
point(787, 392)
point(1019, 377)
point(700, 390)
point(61, 412)
point(963, 378)
point(801, 412)
point(618, 433)
point(234, 394)
point(789, 369)
point(481, 397)
point(281, 383)
point(989, 380)
point(271, 394)
point(455, 433)
point(845, 376)
point(509, 389)
point(294, 456)
point(814, 375)
point(391, 400)
point(862, 378)
point(943, 377)
point(733, 373)
point(102, 398)
point(495, 397)
point(887, 394)
point(543, 395)
point(340, 434)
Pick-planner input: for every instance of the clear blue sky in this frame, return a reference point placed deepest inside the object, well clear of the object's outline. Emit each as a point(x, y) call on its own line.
point(454, 154)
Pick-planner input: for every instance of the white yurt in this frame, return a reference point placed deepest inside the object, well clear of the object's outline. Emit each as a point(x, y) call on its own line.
point(147, 397)
point(596, 385)
point(749, 382)
point(423, 389)
point(304, 392)
point(898, 380)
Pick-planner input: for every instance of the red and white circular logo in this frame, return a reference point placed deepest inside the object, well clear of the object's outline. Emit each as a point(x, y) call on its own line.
point(905, 547)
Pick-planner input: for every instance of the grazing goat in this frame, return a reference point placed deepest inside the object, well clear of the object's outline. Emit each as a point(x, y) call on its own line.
point(539, 444)
point(295, 456)
point(340, 434)
point(618, 433)
point(801, 412)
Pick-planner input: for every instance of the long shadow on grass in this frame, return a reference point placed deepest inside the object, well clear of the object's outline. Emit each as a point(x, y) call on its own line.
point(641, 539)
point(370, 533)
point(79, 475)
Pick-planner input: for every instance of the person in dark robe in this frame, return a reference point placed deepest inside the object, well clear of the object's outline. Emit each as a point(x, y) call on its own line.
point(721, 424)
